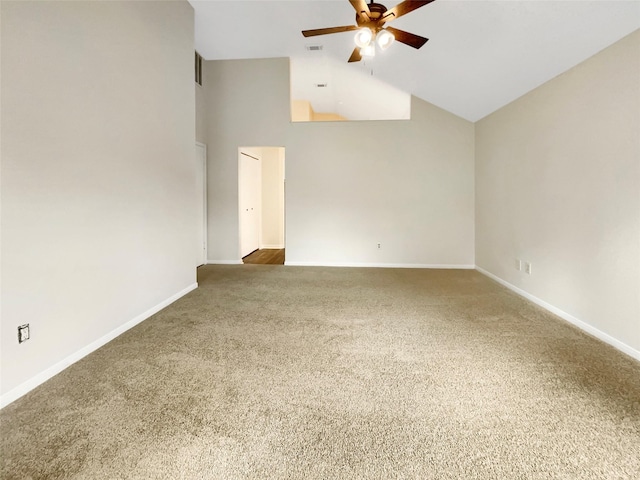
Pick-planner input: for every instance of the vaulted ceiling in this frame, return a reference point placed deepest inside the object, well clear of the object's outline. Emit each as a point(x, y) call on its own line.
point(481, 54)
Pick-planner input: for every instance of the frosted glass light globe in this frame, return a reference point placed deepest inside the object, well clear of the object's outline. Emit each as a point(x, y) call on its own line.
point(385, 39)
point(363, 37)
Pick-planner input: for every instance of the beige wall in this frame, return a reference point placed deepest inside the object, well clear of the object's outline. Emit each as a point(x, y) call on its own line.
point(98, 175)
point(239, 114)
point(406, 184)
point(558, 185)
point(350, 185)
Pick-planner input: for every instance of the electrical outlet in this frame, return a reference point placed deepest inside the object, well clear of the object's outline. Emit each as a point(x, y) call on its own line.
point(23, 333)
point(379, 246)
point(518, 264)
point(527, 268)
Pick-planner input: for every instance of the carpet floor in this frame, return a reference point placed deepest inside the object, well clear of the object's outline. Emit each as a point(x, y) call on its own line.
point(273, 372)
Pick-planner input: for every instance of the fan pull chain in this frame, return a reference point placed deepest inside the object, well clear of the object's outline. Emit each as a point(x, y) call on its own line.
point(370, 71)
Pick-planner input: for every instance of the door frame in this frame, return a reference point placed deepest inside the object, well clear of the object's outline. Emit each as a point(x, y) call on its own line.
point(205, 232)
point(258, 153)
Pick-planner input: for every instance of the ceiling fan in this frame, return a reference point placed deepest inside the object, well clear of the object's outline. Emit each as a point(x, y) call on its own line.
point(371, 20)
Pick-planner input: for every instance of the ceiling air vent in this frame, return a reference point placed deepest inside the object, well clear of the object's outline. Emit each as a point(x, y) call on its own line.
point(314, 48)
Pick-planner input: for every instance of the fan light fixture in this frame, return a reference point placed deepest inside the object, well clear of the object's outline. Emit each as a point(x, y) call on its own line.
point(369, 50)
point(371, 27)
point(363, 37)
point(385, 39)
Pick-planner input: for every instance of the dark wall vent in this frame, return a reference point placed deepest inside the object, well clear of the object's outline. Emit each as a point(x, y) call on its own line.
point(198, 69)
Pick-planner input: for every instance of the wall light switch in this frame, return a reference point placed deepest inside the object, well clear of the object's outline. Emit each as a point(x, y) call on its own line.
point(518, 264)
point(23, 333)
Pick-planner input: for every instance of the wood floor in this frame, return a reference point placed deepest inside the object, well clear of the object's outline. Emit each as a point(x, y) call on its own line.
point(265, 257)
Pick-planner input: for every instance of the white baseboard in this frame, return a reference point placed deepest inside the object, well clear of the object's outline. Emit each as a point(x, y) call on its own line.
point(378, 265)
point(272, 247)
point(582, 325)
point(42, 377)
point(224, 262)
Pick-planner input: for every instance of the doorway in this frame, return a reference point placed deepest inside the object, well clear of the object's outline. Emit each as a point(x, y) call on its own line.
point(261, 205)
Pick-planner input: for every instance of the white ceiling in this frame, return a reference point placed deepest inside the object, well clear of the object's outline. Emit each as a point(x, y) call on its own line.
point(481, 54)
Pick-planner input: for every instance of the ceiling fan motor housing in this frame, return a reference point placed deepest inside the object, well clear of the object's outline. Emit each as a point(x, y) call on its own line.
point(376, 11)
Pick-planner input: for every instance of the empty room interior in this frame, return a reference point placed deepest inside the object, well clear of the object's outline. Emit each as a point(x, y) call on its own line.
point(445, 199)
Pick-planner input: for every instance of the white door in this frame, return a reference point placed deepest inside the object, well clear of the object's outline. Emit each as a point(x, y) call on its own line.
point(201, 204)
point(249, 202)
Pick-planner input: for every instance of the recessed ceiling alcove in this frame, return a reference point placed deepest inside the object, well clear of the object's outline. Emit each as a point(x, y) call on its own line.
point(327, 89)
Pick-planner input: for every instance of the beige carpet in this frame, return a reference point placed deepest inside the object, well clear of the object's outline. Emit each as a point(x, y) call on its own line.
point(273, 372)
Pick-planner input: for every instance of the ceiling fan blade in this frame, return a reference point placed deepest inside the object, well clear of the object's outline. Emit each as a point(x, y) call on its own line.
point(326, 31)
point(411, 39)
point(403, 8)
point(362, 9)
point(355, 56)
